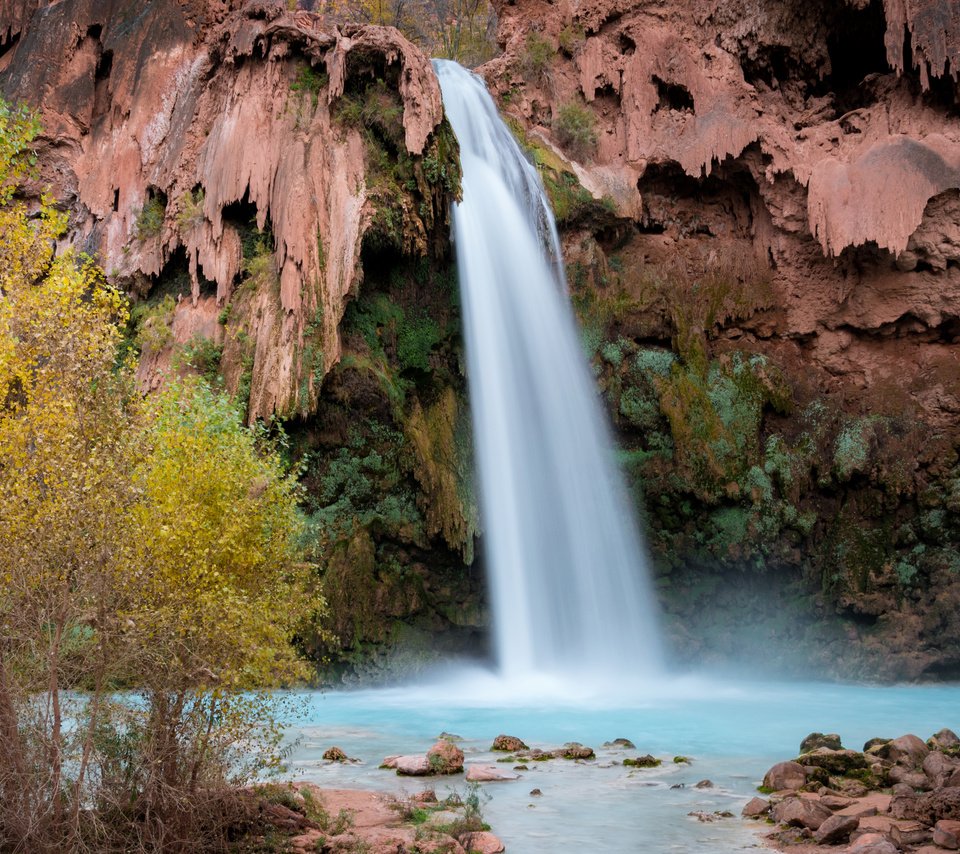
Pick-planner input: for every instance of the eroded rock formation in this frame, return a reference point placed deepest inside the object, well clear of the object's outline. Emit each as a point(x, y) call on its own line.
point(176, 130)
point(772, 300)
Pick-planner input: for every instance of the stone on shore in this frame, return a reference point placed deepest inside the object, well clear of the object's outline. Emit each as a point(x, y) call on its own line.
point(872, 843)
point(755, 808)
point(801, 812)
point(481, 842)
point(946, 739)
point(836, 829)
point(818, 739)
point(575, 750)
point(906, 750)
point(946, 834)
point(785, 775)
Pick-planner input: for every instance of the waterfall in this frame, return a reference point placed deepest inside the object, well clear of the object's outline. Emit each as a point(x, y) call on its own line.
point(569, 583)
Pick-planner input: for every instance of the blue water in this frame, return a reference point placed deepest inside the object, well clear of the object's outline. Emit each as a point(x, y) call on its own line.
point(732, 732)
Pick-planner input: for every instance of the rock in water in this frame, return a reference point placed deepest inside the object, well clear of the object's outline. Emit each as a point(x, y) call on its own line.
point(445, 758)
point(508, 744)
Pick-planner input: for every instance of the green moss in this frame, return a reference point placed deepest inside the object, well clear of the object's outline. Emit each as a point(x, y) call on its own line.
point(852, 449)
point(203, 355)
point(151, 322)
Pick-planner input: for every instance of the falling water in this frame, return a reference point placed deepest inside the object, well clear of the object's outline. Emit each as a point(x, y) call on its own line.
point(569, 582)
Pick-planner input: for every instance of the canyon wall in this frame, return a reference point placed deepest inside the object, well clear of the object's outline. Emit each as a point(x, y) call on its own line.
point(759, 204)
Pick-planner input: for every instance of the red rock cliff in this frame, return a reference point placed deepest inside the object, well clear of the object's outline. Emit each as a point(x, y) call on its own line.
point(205, 113)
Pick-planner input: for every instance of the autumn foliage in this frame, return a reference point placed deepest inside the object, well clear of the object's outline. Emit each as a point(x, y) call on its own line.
point(150, 571)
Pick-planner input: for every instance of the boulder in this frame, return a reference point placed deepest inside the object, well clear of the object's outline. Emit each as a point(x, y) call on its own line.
point(906, 750)
point(946, 739)
point(818, 739)
point(624, 743)
point(939, 768)
point(489, 774)
point(872, 843)
point(416, 765)
point(445, 758)
point(801, 812)
point(853, 788)
point(835, 802)
point(755, 808)
point(646, 761)
point(902, 789)
point(911, 777)
point(874, 744)
point(703, 784)
point(904, 806)
point(481, 842)
point(535, 793)
point(941, 804)
point(946, 833)
point(335, 754)
point(785, 775)
point(508, 744)
point(575, 750)
point(834, 761)
point(954, 780)
point(909, 833)
point(836, 829)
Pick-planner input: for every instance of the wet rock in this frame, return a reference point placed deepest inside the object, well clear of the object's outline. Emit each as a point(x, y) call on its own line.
point(906, 750)
point(646, 761)
point(489, 774)
point(703, 784)
point(449, 736)
point(801, 812)
point(535, 793)
point(335, 754)
point(818, 739)
point(508, 744)
point(785, 775)
point(575, 750)
point(416, 765)
point(445, 758)
point(836, 829)
point(755, 807)
point(946, 834)
point(481, 842)
point(624, 743)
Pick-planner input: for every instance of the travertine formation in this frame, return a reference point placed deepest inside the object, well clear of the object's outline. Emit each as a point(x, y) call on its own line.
point(209, 114)
point(829, 135)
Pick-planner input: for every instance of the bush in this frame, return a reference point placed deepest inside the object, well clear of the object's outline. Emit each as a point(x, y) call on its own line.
point(537, 55)
point(574, 127)
point(150, 218)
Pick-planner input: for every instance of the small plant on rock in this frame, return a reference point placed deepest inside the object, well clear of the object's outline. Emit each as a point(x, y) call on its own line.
point(574, 127)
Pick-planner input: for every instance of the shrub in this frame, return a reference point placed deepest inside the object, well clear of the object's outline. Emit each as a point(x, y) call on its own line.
point(574, 127)
point(150, 218)
point(536, 56)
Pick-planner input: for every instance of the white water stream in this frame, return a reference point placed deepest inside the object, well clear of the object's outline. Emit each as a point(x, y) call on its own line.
point(569, 584)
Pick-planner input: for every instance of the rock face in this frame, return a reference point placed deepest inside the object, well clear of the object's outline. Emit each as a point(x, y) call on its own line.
point(762, 246)
point(218, 119)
